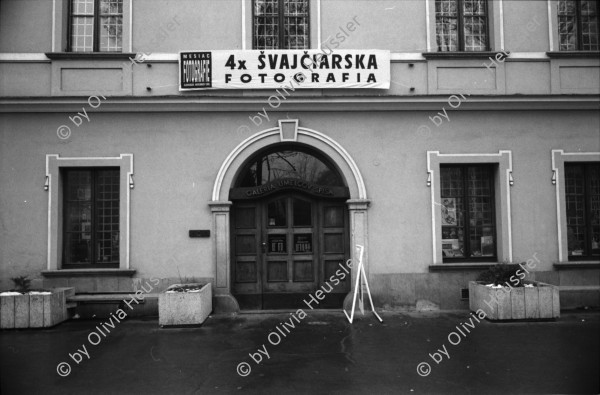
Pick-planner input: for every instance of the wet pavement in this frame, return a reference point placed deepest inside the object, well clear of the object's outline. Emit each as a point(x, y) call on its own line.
point(321, 353)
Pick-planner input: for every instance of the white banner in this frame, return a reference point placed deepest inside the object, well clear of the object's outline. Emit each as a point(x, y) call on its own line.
point(307, 69)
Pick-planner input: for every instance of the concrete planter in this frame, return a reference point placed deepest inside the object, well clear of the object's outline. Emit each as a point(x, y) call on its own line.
point(541, 302)
point(184, 308)
point(34, 311)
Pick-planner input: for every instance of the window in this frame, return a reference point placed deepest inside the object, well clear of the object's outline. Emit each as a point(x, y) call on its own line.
point(96, 26)
point(91, 217)
point(284, 163)
point(461, 25)
point(578, 25)
point(281, 24)
point(582, 190)
point(468, 213)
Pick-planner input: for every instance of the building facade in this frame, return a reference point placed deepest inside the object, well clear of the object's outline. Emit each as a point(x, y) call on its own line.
point(139, 140)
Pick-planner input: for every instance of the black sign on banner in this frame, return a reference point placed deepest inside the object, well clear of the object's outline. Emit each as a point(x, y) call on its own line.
point(196, 70)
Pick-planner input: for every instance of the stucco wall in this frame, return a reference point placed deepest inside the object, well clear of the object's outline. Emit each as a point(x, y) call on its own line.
point(177, 156)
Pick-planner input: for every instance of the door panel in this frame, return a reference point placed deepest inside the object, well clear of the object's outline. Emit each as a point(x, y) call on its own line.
point(285, 248)
point(289, 228)
point(334, 235)
point(246, 243)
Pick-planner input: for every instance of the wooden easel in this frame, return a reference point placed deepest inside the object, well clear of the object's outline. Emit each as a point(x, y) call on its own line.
point(358, 288)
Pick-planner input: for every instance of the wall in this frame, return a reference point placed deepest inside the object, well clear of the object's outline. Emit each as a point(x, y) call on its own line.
point(177, 156)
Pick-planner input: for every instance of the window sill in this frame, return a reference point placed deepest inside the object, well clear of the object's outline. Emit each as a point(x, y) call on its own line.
point(464, 55)
point(461, 266)
point(577, 265)
point(89, 55)
point(88, 272)
point(573, 54)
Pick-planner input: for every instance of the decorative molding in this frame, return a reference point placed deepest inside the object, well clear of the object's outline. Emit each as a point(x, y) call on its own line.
point(89, 55)
point(312, 135)
point(501, 7)
point(185, 103)
point(168, 57)
point(460, 266)
point(559, 157)
point(89, 273)
point(573, 54)
point(576, 265)
point(319, 27)
point(358, 204)
point(527, 57)
point(130, 24)
point(224, 206)
point(14, 57)
point(53, 25)
point(243, 24)
point(550, 26)
point(427, 26)
point(285, 127)
point(462, 55)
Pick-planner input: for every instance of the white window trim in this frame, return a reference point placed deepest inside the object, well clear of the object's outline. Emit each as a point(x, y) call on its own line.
point(53, 165)
point(559, 157)
point(503, 209)
point(551, 19)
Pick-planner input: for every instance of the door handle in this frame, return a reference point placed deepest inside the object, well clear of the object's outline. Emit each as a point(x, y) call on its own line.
point(264, 247)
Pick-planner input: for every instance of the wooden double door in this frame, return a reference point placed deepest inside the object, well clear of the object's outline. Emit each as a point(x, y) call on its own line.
point(285, 248)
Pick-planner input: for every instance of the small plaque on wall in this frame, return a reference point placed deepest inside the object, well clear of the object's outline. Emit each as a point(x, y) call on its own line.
point(200, 233)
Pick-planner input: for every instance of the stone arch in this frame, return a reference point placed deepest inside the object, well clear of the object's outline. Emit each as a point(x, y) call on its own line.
point(288, 131)
point(317, 140)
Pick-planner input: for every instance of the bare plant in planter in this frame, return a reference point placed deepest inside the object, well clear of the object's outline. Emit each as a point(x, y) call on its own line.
point(502, 293)
point(23, 307)
point(185, 304)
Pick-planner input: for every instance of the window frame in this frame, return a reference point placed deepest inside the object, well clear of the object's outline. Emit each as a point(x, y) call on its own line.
point(466, 216)
point(579, 35)
point(460, 29)
point(280, 18)
point(559, 159)
point(587, 207)
point(94, 177)
point(503, 182)
point(54, 165)
point(96, 28)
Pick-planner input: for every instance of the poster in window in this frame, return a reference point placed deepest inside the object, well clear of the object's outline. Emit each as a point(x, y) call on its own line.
point(451, 233)
point(487, 245)
point(302, 243)
point(86, 228)
point(277, 243)
point(450, 248)
point(449, 211)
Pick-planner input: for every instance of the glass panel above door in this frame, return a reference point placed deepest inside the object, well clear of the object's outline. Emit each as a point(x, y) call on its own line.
point(285, 168)
point(289, 164)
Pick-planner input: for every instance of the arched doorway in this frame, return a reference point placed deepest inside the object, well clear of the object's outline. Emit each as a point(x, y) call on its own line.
point(288, 131)
point(289, 229)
